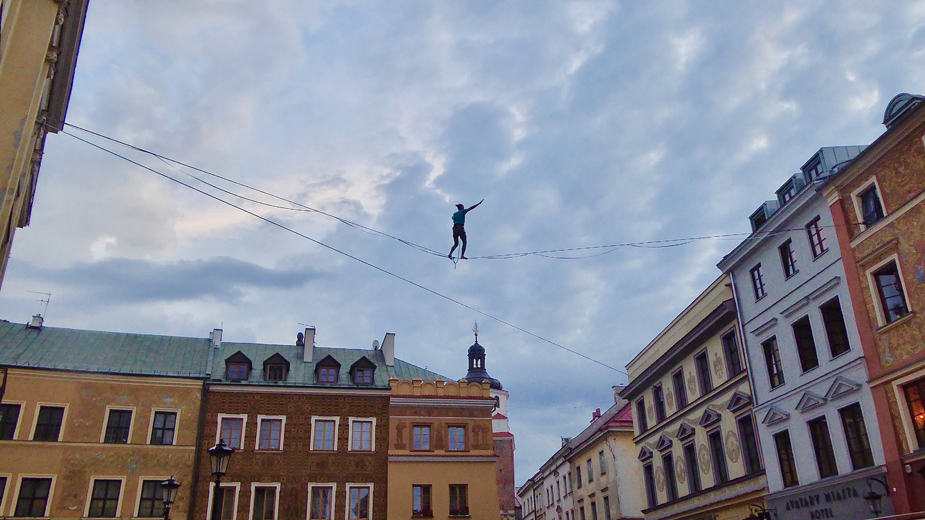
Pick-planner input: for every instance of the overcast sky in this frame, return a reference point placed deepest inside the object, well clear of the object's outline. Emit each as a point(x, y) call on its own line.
point(580, 123)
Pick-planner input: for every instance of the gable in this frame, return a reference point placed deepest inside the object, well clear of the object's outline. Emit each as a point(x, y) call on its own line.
point(327, 361)
point(738, 401)
point(710, 417)
point(645, 453)
point(809, 401)
point(239, 357)
point(685, 431)
point(276, 359)
point(842, 386)
point(775, 415)
point(664, 443)
point(363, 362)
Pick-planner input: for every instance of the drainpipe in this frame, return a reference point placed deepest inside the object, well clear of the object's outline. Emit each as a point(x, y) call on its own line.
point(203, 401)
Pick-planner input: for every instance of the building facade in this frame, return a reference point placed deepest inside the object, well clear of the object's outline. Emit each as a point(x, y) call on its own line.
point(92, 422)
point(695, 432)
point(877, 208)
point(39, 40)
point(815, 410)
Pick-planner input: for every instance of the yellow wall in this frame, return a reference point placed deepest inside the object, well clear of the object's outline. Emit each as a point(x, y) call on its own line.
point(479, 476)
point(80, 455)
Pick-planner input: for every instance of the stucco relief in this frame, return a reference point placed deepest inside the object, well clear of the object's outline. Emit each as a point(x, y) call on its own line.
point(691, 383)
point(660, 478)
point(732, 446)
point(680, 469)
point(717, 365)
point(704, 455)
point(400, 435)
point(669, 398)
point(650, 412)
point(897, 421)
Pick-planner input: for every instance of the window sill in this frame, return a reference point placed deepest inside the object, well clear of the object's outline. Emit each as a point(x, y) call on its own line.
point(791, 275)
point(820, 255)
point(890, 325)
point(268, 450)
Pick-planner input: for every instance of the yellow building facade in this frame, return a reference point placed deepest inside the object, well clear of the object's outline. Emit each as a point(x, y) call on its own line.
point(694, 429)
point(442, 463)
point(39, 40)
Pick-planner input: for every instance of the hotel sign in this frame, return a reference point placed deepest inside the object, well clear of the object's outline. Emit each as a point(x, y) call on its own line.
point(844, 501)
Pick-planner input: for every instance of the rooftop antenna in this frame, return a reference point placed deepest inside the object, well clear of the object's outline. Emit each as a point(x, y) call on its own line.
point(475, 330)
point(46, 300)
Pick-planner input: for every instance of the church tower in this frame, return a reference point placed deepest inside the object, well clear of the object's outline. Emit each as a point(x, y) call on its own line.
point(501, 432)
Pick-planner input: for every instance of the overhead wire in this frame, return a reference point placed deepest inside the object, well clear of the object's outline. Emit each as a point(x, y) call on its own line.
point(344, 253)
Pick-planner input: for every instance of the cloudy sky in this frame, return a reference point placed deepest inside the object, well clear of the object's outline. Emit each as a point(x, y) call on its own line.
point(581, 123)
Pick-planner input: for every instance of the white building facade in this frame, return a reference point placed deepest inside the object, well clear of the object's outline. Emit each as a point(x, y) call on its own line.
point(816, 420)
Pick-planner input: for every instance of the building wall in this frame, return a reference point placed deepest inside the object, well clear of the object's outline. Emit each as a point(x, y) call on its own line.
point(80, 456)
point(440, 404)
point(619, 482)
point(296, 465)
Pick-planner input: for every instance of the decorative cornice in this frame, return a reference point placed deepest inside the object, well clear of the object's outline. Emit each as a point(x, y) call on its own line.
point(442, 458)
point(764, 327)
point(775, 415)
point(842, 386)
point(809, 401)
point(284, 389)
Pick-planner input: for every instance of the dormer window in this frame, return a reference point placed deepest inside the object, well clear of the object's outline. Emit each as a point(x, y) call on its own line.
point(787, 192)
point(237, 367)
point(327, 370)
point(362, 371)
point(275, 368)
point(814, 170)
point(237, 371)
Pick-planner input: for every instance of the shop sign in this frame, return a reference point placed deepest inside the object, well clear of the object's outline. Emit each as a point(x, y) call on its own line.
point(844, 501)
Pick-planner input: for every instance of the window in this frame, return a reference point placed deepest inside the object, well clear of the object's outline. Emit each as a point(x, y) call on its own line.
point(3, 483)
point(606, 508)
point(590, 472)
point(322, 503)
point(806, 345)
point(651, 497)
point(915, 398)
point(816, 238)
point(421, 438)
point(363, 376)
point(788, 259)
point(815, 170)
point(275, 372)
point(892, 296)
point(104, 499)
point(327, 375)
point(871, 209)
point(359, 503)
point(720, 472)
point(361, 435)
point(822, 446)
point(48, 424)
point(263, 503)
point(671, 484)
point(118, 427)
point(237, 371)
point(703, 373)
point(231, 430)
point(757, 282)
point(421, 499)
point(659, 398)
point(787, 192)
point(641, 419)
point(228, 501)
point(593, 511)
point(33, 497)
point(9, 418)
point(582, 510)
point(835, 329)
point(749, 442)
point(457, 436)
point(772, 361)
point(558, 490)
point(788, 467)
point(324, 435)
point(163, 428)
point(602, 462)
point(731, 352)
point(459, 500)
point(271, 432)
point(680, 391)
point(852, 421)
point(578, 470)
point(151, 503)
point(693, 468)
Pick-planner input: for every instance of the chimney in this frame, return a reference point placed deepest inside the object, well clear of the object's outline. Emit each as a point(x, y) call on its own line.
point(617, 389)
point(388, 348)
point(596, 415)
point(216, 338)
point(566, 440)
point(36, 322)
point(309, 344)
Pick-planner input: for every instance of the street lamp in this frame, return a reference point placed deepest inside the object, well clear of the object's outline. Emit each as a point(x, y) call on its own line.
point(220, 455)
point(169, 488)
point(873, 498)
point(759, 512)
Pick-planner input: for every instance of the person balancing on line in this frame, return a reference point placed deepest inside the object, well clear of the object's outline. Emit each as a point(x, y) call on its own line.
point(459, 230)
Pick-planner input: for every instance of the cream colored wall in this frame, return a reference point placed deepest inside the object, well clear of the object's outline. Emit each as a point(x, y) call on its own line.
point(479, 476)
point(80, 456)
point(620, 483)
point(628, 476)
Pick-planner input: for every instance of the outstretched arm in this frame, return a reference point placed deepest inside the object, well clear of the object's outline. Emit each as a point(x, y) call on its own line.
point(477, 205)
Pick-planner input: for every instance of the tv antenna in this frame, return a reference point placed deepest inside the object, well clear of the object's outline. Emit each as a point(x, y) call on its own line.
point(46, 300)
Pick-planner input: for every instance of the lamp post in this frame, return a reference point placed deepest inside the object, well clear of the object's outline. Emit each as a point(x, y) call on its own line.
point(873, 498)
point(759, 512)
point(220, 455)
point(169, 488)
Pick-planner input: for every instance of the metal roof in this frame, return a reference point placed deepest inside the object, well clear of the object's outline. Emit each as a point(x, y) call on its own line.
point(96, 351)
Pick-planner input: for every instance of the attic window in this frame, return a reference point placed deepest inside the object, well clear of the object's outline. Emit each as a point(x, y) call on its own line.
point(363, 376)
point(787, 192)
point(814, 170)
point(327, 375)
point(237, 371)
point(275, 373)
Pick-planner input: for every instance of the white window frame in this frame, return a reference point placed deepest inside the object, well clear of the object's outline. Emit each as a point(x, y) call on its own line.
point(218, 429)
point(332, 485)
point(336, 431)
point(141, 481)
point(875, 290)
point(4, 498)
point(51, 489)
point(94, 478)
point(351, 485)
point(282, 431)
point(856, 201)
point(372, 445)
point(35, 419)
point(176, 425)
point(131, 424)
point(254, 486)
point(22, 408)
point(237, 492)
